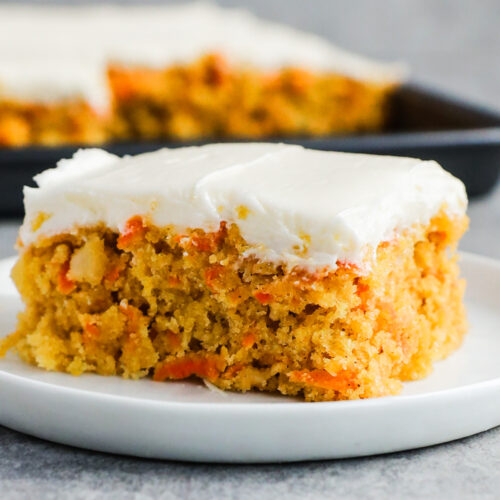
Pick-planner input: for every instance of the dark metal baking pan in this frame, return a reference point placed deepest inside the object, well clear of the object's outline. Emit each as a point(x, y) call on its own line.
point(463, 137)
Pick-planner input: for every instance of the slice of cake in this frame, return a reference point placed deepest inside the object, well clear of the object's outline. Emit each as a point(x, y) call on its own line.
point(253, 266)
point(92, 74)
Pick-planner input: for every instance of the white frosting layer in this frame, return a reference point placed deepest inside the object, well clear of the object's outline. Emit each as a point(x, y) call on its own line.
point(49, 53)
point(336, 204)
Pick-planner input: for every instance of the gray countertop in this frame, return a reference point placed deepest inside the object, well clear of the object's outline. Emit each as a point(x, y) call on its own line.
point(451, 44)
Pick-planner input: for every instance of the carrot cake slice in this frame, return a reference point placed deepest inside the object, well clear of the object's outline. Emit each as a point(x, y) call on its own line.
point(94, 74)
point(253, 266)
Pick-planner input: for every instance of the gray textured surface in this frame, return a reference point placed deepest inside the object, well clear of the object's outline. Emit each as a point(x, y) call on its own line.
point(30, 468)
point(453, 44)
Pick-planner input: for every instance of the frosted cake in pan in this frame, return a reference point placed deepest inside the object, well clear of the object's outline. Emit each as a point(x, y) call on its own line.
point(97, 74)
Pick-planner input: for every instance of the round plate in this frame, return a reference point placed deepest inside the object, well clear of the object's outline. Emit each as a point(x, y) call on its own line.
point(188, 421)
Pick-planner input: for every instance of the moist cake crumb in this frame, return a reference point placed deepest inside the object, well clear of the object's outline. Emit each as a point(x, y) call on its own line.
point(153, 300)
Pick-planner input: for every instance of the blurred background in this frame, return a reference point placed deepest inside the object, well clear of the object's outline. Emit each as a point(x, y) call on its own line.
point(449, 45)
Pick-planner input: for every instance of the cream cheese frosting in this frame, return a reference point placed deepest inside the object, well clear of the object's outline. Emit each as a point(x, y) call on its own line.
point(293, 205)
point(52, 52)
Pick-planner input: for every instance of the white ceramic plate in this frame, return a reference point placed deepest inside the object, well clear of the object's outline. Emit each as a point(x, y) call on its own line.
point(187, 421)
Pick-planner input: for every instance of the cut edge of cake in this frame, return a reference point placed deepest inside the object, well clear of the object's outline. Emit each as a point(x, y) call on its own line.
point(148, 299)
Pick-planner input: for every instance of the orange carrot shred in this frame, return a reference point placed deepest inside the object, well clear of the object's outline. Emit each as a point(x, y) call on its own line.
point(113, 274)
point(90, 332)
point(179, 237)
point(91, 328)
point(216, 71)
point(263, 297)
point(206, 242)
point(64, 284)
point(203, 243)
point(232, 371)
point(174, 281)
point(345, 264)
point(248, 340)
point(188, 366)
point(323, 379)
point(212, 274)
point(362, 291)
point(134, 230)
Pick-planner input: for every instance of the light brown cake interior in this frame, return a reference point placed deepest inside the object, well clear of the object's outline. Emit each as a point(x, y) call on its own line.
point(154, 302)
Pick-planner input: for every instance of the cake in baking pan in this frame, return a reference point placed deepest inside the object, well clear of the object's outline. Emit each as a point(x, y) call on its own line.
point(96, 74)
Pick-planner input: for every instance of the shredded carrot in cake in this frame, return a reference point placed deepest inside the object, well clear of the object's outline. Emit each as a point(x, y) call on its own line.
point(64, 284)
point(200, 366)
point(231, 371)
point(345, 264)
point(133, 232)
point(248, 340)
point(204, 242)
point(217, 70)
point(176, 312)
point(324, 380)
point(212, 274)
point(263, 297)
point(174, 281)
point(90, 331)
point(363, 292)
point(132, 314)
point(113, 274)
